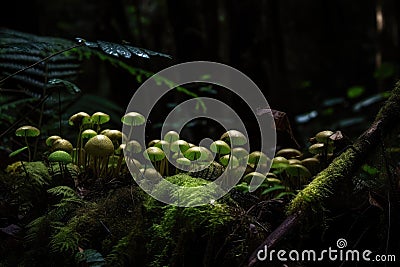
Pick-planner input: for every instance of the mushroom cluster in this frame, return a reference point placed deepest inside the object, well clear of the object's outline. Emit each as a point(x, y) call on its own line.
point(104, 153)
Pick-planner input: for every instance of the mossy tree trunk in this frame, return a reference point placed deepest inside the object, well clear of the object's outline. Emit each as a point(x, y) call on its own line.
point(343, 167)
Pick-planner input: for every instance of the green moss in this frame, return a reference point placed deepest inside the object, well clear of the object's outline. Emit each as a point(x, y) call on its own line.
point(392, 105)
point(192, 191)
point(323, 184)
point(181, 231)
point(105, 222)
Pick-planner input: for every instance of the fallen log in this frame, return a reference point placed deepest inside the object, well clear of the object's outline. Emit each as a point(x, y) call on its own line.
point(321, 188)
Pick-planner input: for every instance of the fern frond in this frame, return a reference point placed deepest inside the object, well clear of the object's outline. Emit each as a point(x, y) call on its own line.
point(64, 191)
point(36, 228)
point(66, 239)
point(119, 252)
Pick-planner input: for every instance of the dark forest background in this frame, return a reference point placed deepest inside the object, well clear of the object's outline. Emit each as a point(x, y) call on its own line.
point(315, 60)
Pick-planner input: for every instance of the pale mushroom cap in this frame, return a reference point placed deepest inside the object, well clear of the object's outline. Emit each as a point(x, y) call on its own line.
point(100, 117)
point(294, 161)
point(99, 146)
point(171, 136)
point(323, 136)
point(279, 162)
point(254, 175)
point(79, 118)
point(179, 145)
point(88, 133)
point(62, 144)
point(50, 140)
point(234, 138)
point(27, 130)
point(257, 157)
point(240, 152)
point(228, 159)
point(163, 145)
point(133, 119)
point(289, 153)
point(220, 147)
point(133, 146)
point(60, 156)
point(297, 170)
point(154, 154)
point(316, 148)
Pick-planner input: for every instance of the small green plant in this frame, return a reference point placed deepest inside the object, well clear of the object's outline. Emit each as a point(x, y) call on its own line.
point(26, 132)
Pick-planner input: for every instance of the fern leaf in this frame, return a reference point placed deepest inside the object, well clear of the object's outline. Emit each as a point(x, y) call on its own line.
point(123, 50)
point(62, 190)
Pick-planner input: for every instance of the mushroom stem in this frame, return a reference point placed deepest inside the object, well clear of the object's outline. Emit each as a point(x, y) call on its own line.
point(104, 166)
point(61, 169)
point(119, 164)
point(29, 149)
point(130, 133)
point(77, 157)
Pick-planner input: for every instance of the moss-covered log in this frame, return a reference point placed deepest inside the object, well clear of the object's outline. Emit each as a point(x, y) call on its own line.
point(342, 167)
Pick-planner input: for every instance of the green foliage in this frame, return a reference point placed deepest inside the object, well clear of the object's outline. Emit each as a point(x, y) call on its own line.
point(188, 193)
point(64, 238)
point(370, 169)
point(26, 183)
point(55, 231)
point(355, 91)
point(179, 224)
point(18, 151)
point(120, 254)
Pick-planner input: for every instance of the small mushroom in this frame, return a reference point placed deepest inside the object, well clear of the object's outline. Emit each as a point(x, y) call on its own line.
point(99, 118)
point(234, 138)
point(133, 119)
point(229, 161)
point(254, 175)
point(312, 164)
point(25, 132)
point(289, 153)
point(257, 158)
point(155, 155)
point(115, 137)
point(62, 158)
point(150, 177)
point(294, 161)
point(297, 176)
point(166, 147)
point(163, 145)
point(240, 153)
point(132, 147)
point(171, 136)
point(179, 146)
point(183, 164)
point(79, 119)
point(152, 142)
point(323, 136)
point(62, 144)
point(99, 148)
point(318, 148)
point(84, 137)
point(220, 148)
point(193, 153)
point(279, 163)
point(50, 140)
point(272, 178)
point(87, 134)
